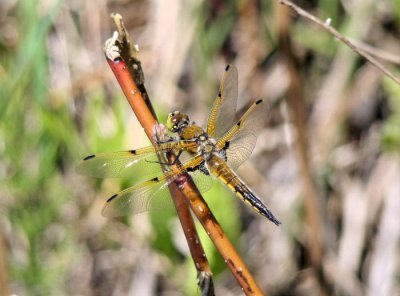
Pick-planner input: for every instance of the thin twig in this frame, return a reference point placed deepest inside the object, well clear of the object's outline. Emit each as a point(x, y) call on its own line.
point(342, 38)
point(377, 52)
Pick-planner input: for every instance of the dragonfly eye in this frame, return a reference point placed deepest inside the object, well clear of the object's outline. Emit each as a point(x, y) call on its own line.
point(177, 120)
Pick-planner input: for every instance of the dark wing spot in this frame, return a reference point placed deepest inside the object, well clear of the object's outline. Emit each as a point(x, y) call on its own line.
point(132, 151)
point(219, 94)
point(112, 197)
point(89, 157)
point(258, 102)
point(227, 67)
point(192, 169)
point(239, 123)
point(155, 179)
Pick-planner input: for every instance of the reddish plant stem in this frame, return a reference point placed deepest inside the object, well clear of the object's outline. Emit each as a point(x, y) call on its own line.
point(133, 95)
point(147, 120)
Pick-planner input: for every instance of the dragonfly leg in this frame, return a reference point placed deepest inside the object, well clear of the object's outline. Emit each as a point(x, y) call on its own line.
point(168, 163)
point(168, 139)
point(159, 162)
point(177, 157)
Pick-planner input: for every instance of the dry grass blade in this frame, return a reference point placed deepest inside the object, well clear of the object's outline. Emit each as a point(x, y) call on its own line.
point(378, 53)
point(342, 38)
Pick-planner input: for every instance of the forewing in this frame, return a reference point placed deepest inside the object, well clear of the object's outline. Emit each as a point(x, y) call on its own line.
point(123, 164)
point(222, 115)
point(240, 140)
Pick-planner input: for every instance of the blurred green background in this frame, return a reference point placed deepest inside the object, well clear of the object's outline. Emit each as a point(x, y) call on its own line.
point(60, 102)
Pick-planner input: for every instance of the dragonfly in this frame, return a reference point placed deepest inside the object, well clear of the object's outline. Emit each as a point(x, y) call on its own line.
point(205, 154)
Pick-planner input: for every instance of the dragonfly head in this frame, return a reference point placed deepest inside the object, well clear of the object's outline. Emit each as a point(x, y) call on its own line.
point(176, 121)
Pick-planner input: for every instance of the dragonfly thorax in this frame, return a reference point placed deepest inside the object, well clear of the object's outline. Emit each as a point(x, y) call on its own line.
point(206, 146)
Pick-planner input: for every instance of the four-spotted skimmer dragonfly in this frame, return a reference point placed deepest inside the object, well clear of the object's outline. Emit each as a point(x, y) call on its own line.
point(216, 151)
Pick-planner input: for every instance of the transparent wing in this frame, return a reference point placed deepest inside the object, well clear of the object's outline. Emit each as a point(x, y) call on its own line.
point(222, 115)
point(240, 140)
point(125, 164)
point(185, 157)
point(203, 182)
point(122, 164)
point(139, 198)
point(150, 195)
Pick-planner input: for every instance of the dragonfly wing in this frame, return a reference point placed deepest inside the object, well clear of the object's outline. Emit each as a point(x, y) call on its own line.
point(222, 115)
point(122, 164)
point(203, 182)
point(141, 162)
point(240, 140)
point(143, 197)
point(125, 164)
point(152, 194)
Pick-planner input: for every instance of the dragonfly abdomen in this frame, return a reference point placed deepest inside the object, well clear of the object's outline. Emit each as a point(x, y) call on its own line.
point(256, 204)
point(219, 169)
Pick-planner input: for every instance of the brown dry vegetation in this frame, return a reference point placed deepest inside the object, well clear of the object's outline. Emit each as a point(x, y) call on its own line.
point(327, 164)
